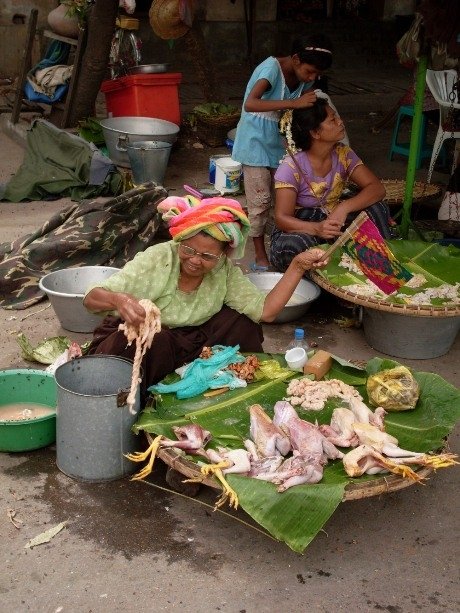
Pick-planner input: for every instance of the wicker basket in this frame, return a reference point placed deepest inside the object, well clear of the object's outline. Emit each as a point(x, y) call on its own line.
point(395, 190)
point(413, 310)
point(353, 491)
point(448, 227)
point(212, 130)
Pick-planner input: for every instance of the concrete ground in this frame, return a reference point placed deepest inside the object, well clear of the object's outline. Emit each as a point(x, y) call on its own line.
point(131, 546)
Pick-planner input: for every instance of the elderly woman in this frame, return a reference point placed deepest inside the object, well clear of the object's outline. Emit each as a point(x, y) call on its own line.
point(203, 297)
point(310, 183)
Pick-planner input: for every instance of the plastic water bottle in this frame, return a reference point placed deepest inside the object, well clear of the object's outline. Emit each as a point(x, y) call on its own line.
point(299, 340)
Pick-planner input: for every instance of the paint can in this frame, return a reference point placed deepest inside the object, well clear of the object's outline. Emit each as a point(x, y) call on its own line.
point(228, 175)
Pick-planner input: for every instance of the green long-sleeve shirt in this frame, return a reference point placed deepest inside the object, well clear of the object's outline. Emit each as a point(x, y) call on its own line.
point(154, 274)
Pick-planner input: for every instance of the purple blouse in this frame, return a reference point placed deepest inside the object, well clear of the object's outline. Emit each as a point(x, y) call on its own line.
point(319, 191)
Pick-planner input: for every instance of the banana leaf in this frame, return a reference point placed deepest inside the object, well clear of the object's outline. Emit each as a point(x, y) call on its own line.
point(439, 264)
point(297, 515)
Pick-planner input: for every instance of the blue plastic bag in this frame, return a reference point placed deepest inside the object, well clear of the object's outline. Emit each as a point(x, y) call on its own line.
point(200, 375)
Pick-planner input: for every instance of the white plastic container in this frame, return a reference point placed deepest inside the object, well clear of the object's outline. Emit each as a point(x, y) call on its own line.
point(296, 358)
point(228, 175)
point(212, 166)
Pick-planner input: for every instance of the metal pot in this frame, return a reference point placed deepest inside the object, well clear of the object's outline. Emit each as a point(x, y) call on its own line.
point(122, 131)
point(409, 337)
point(148, 69)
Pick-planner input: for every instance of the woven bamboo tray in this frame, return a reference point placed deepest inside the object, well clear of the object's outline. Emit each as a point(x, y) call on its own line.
point(395, 190)
point(353, 491)
point(213, 130)
point(448, 227)
point(411, 310)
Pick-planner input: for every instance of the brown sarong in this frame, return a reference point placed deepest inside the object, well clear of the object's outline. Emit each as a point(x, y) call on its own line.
point(174, 347)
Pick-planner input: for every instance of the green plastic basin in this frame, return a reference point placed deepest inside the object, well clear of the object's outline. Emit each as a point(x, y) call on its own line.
point(26, 385)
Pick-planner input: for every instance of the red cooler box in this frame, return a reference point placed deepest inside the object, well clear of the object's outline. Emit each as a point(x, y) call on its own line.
point(144, 95)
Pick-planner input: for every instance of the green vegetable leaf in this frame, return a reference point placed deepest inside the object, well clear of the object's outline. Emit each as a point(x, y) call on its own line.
point(45, 352)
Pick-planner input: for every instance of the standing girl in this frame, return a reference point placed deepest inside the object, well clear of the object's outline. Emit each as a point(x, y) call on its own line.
point(277, 84)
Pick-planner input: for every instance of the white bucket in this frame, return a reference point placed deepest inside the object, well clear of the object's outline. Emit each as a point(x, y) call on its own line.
point(228, 175)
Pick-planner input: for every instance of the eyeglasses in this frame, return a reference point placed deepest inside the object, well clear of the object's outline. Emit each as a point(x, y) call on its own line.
point(207, 257)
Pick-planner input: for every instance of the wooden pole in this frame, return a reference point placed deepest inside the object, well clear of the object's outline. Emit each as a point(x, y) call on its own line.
point(414, 143)
point(25, 66)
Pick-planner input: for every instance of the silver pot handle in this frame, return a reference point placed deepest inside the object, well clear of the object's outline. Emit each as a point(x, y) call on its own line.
point(122, 142)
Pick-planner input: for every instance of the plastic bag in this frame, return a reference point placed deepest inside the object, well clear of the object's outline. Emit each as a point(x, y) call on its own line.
point(409, 45)
point(203, 374)
point(394, 389)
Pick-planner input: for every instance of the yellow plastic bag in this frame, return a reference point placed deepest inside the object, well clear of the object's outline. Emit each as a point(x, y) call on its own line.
point(394, 389)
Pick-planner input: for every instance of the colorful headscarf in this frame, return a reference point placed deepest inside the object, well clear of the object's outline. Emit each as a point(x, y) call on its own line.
point(221, 218)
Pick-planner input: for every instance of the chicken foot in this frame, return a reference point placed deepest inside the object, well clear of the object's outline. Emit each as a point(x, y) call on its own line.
point(141, 456)
point(228, 493)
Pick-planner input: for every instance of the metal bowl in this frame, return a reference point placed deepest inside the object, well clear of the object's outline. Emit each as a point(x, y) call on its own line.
point(119, 132)
point(148, 69)
point(304, 295)
point(66, 289)
point(19, 386)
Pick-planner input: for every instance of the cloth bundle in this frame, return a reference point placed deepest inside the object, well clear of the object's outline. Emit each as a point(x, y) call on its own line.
point(221, 218)
point(93, 232)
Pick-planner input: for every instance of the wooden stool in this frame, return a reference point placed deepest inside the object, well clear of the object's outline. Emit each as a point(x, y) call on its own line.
point(423, 150)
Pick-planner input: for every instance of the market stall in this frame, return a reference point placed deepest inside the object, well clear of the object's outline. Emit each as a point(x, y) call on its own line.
point(418, 321)
point(295, 514)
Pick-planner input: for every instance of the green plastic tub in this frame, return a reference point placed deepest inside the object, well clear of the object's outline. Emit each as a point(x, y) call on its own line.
point(27, 386)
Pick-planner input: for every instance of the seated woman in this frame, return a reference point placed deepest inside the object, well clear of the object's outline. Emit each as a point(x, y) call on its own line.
point(203, 297)
point(310, 207)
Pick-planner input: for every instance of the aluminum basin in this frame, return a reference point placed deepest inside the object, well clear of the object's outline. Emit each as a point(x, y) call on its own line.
point(119, 132)
point(66, 289)
point(304, 295)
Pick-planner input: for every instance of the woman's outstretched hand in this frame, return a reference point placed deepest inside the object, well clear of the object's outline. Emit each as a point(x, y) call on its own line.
point(278, 297)
point(310, 259)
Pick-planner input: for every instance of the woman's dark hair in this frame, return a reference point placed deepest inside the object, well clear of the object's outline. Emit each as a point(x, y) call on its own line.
point(304, 120)
point(322, 60)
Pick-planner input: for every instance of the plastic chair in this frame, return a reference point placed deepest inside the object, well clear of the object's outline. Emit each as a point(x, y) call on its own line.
point(441, 84)
point(424, 149)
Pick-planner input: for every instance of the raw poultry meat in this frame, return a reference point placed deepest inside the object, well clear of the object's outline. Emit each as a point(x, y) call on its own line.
point(305, 437)
point(263, 468)
point(269, 440)
point(296, 470)
point(363, 414)
point(366, 459)
point(311, 451)
point(237, 460)
point(312, 395)
point(191, 438)
point(341, 432)
point(372, 436)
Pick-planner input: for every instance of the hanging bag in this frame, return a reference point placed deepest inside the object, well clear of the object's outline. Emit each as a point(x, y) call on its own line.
point(409, 45)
